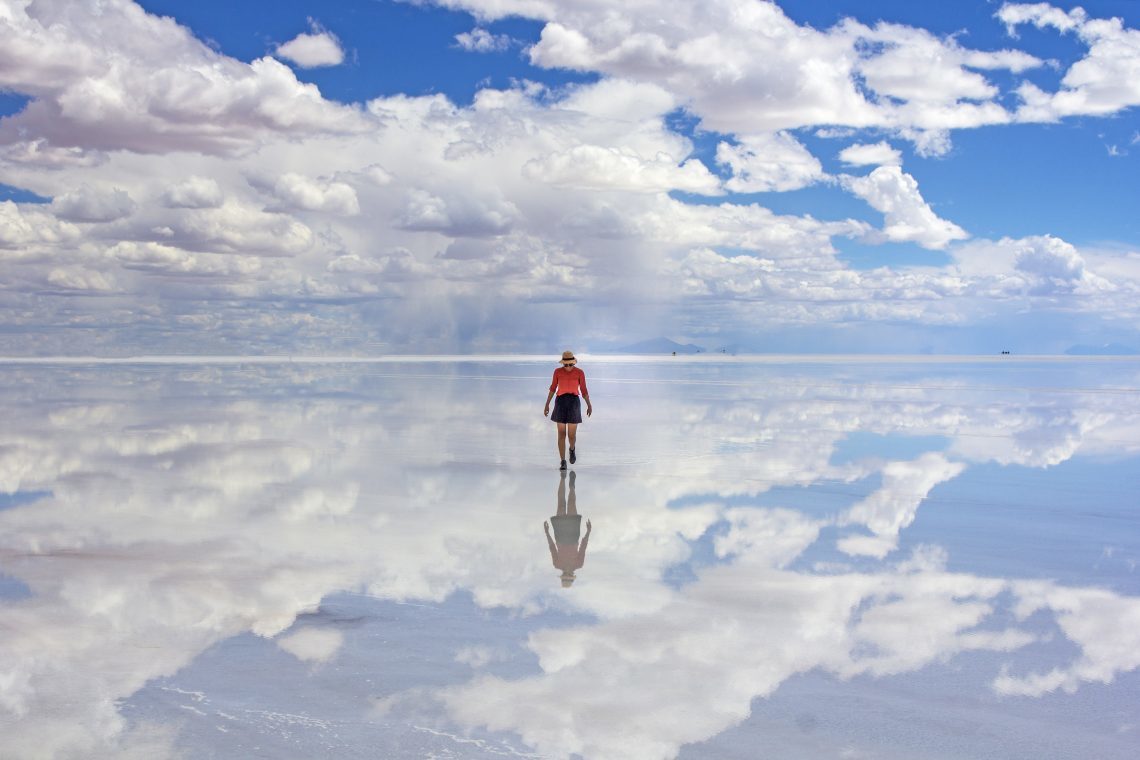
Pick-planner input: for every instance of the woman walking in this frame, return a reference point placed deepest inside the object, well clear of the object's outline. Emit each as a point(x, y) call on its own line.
point(568, 382)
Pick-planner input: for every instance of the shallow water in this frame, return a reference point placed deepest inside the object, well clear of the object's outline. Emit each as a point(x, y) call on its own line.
point(891, 559)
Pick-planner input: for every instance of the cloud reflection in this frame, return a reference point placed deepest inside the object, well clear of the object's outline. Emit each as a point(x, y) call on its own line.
point(185, 507)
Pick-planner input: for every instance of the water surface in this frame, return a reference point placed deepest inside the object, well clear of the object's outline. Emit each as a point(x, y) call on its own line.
point(802, 559)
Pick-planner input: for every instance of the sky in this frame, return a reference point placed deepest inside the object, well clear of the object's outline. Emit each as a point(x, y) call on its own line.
point(373, 177)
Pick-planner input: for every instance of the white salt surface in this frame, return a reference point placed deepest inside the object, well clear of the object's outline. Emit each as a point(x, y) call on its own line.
point(808, 559)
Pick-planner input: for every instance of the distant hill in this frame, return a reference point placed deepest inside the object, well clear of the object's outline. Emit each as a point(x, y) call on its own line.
point(660, 346)
point(1106, 349)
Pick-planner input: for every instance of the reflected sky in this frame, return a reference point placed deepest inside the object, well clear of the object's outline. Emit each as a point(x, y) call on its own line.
point(856, 559)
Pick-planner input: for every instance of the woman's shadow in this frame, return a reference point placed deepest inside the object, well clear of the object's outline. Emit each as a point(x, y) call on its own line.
point(565, 551)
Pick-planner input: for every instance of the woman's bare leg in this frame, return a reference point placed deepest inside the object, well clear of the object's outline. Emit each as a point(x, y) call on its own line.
point(572, 431)
point(562, 440)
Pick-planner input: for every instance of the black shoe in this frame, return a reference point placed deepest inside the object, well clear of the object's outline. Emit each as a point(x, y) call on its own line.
point(563, 467)
point(573, 458)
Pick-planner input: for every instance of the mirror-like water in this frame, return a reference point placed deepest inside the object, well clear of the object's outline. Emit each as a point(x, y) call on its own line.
point(890, 560)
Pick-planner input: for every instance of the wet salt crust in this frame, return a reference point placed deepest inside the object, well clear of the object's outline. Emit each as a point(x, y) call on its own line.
point(789, 558)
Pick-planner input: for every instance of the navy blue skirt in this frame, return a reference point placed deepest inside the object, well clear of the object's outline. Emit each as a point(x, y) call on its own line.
point(567, 408)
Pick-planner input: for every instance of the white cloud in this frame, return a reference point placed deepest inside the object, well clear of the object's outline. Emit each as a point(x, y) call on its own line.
point(877, 624)
point(237, 227)
point(1039, 265)
point(195, 192)
point(877, 154)
point(766, 537)
point(40, 153)
point(25, 229)
point(300, 192)
point(731, 61)
point(76, 279)
point(317, 645)
point(320, 48)
point(169, 260)
point(241, 183)
point(109, 76)
point(377, 175)
point(768, 162)
point(1040, 15)
point(907, 216)
point(1105, 81)
point(1106, 628)
point(894, 505)
point(477, 656)
point(624, 102)
point(458, 217)
point(914, 66)
point(593, 167)
point(93, 204)
point(479, 40)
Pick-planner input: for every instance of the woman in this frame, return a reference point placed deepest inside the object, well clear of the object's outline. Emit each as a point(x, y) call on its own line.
point(568, 382)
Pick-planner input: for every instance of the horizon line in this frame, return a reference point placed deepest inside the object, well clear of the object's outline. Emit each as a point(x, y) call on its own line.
point(774, 358)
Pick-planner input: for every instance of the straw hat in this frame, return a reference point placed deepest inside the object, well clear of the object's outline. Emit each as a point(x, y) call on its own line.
point(568, 356)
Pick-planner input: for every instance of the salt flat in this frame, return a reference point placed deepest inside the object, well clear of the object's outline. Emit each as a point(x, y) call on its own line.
point(794, 557)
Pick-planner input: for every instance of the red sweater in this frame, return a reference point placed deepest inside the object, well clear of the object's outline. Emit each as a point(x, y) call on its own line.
point(569, 382)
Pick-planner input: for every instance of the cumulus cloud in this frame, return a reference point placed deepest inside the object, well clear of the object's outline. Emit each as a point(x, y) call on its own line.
point(1040, 15)
point(1037, 265)
point(907, 216)
point(1106, 80)
point(876, 154)
point(459, 216)
point(25, 229)
point(300, 192)
point(237, 227)
point(40, 153)
point(146, 85)
point(316, 49)
point(768, 162)
point(93, 204)
point(540, 196)
point(76, 279)
point(195, 192)
point(479, 40)
point(731, 61)
point(170, 260)
point(593, 167)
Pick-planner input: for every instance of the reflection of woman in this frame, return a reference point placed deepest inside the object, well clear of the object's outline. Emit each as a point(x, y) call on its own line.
point(565, 551)
point(568, 380)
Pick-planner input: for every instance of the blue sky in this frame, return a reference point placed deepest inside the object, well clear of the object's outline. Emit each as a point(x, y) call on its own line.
point(506, 175)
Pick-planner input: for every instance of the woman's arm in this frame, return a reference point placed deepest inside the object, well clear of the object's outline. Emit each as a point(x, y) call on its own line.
point(585, 539)
point(585, 394)
point(583, 544)
point(551, 544)
point(550, 395)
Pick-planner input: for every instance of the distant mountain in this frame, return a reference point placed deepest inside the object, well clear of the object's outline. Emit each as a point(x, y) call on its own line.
point(1106, 349)
point(661, 346)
